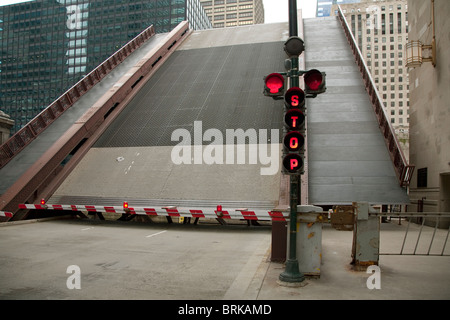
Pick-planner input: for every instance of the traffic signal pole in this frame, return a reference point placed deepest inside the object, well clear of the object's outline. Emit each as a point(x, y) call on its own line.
point(295, 128)
point(292, 273)
point(293, 28)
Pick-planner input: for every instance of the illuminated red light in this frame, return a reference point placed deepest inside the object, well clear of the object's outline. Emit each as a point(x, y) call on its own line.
point(294, 98)
point(294, 119)
point(42, 201)
point(219, 208)
point(294, 141)
point(274, 84)
point(125, 205)
point(293, 163)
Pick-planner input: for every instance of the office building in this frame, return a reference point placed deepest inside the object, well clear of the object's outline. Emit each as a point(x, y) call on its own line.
point(5, 127)
point(381, 29)
point(429, 80)
point(324, 7)
point(233, 13)
point(47, 46)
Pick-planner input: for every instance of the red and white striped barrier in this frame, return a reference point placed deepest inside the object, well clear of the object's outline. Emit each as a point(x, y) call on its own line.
point(169, 211)
point(6, 214)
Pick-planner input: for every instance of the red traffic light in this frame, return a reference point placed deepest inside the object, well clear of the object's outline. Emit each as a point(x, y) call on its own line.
point(314, 82)
point(294, 98)
point(293, 163)
point(294, 141)
point(294, 119)
point(274, 85)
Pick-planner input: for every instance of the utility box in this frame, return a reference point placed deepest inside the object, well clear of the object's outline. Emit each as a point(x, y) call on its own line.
point(343, 218)
point(279, 231)
point(309, 239)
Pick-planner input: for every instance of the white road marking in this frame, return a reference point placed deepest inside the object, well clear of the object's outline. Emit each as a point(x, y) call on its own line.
point(155, 234)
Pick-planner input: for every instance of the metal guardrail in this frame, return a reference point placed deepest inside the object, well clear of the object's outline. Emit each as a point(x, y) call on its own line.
point(403, 170)
point(38, 124)
point(419, 238)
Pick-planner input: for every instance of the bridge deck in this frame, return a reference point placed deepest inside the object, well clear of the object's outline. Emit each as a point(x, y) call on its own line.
point(348, 158)
point(32, 152)
point(215, 80)
point(213, 83)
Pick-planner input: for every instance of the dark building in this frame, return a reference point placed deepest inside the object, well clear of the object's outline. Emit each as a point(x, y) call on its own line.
point(46, 46)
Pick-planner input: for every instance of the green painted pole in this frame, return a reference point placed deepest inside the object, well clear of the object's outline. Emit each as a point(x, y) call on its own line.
point(292, 273)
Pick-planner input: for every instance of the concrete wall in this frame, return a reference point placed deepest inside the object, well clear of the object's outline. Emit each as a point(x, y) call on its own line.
point(430, 106)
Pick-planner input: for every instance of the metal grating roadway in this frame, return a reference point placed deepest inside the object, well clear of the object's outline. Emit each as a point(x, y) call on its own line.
point(220, 86)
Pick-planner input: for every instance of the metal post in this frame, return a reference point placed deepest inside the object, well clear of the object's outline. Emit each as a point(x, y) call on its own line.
point(292, 273)
point(293, 29)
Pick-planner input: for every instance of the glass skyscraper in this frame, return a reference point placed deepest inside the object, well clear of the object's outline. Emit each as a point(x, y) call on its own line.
point(46, 46)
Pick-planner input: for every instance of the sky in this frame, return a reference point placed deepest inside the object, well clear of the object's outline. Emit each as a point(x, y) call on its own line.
point(278, 10)
point(275, 10)
point(6, 2)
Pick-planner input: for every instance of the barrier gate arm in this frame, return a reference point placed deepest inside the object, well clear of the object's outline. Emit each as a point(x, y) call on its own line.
point(169, 211)
point(6, 214)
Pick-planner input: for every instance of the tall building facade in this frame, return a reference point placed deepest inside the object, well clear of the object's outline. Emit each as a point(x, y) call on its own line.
point(381, 30)
point(324, 7)
point(232, 13)
point(430, 110)
point(46, 46)
point(5, 127)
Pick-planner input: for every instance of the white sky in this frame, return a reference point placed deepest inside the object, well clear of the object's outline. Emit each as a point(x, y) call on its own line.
point(6, 2)
point(278, 10)
point(275, 10)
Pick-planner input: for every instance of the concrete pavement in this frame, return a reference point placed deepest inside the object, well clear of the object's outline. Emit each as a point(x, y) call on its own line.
point(207, 262)
point(402, 277)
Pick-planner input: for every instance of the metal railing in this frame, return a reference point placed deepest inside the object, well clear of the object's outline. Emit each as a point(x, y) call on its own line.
point(38, 124)
point(403, 170)
point(420, 236)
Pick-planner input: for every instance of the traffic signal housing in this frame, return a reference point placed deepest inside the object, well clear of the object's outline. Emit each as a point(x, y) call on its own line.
point(315, 82)
point(274, 85)
point(294, 46)
point(295, 109)
point(294, 137)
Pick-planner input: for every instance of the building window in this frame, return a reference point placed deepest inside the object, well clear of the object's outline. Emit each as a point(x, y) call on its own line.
point(422, 177)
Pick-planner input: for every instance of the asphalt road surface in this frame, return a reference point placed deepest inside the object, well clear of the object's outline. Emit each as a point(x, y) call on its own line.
point(74, 259)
